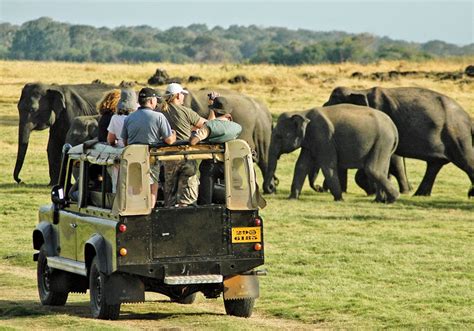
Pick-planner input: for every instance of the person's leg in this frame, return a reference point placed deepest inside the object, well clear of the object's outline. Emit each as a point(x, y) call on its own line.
point(171, 182)
point(188, 184)
point(206, 180)
point(154, 194)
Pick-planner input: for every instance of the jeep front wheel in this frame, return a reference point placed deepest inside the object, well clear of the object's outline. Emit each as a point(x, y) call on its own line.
point(44, 272)
point(99, 306)
point(239, 307)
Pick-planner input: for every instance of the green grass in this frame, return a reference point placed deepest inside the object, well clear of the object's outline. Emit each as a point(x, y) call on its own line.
point(345, 265)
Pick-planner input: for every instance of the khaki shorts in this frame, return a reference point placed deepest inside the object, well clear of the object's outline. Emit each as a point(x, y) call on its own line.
point(155, 172)
point(181, 183)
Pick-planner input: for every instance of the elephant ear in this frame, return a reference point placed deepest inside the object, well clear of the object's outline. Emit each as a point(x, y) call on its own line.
point(57, 101)
point(300, 122)
point(358, 99)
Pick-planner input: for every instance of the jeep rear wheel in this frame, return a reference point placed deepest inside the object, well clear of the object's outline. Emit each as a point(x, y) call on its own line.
point(44, 272)
point(239, 307)
point(98, 297)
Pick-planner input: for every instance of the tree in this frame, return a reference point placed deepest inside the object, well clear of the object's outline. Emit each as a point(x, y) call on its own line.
point(41, 39)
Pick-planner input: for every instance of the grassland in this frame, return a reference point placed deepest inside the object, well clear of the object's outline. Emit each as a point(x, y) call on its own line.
point(354, 264)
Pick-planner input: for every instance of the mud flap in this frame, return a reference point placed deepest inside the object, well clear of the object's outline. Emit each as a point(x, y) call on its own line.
point(122, 288)
point(241, 287)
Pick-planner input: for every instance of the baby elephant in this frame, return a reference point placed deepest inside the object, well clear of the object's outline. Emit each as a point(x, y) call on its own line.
point(344, 136)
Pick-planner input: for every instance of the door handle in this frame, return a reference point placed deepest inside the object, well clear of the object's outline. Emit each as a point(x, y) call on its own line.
point(73, 225)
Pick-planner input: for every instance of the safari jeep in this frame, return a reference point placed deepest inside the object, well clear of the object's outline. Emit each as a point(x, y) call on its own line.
point(118, 246)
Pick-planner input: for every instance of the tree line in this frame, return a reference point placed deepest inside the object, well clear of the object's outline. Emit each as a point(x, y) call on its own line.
point(46, 39)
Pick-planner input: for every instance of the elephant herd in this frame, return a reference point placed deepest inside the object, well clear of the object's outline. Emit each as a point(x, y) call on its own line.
point(370, 130)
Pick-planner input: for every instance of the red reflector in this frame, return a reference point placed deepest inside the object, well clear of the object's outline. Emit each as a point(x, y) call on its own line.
point(122, 228)
point(258, 247)
point(258, 221)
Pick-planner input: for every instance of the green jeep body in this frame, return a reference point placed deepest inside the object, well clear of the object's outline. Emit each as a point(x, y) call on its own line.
point(118, 246)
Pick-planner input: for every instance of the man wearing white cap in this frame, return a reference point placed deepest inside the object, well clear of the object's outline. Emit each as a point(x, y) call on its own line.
point(181, 181)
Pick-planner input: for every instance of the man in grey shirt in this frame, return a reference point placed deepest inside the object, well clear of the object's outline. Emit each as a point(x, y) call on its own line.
point(146, 126)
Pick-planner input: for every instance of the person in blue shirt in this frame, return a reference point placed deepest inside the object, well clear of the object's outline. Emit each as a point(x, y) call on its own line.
point(147, 126)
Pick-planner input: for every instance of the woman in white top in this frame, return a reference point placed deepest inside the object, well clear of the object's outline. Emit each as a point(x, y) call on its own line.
point(126, 105)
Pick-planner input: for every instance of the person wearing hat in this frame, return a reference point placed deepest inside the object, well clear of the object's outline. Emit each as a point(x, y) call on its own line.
point(147, 126)
point(126, 105)
point(218, 130)
point(181, 181)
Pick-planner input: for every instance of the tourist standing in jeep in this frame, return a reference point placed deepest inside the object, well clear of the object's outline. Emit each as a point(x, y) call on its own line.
point(146, 126)
point(181, 181)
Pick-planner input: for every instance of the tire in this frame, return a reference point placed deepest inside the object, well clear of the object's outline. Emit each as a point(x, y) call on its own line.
point(186, 300)
point(98, 299)
point(44, 272)
point(239, 307)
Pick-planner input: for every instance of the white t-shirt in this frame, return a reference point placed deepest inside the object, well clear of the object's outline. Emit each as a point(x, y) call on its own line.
point(115, 127)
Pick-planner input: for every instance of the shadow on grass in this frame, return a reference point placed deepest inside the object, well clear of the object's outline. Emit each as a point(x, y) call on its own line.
point(415, 202)
point(9, 120)
point(23, 188)
point(467, 205)
point(32, 309)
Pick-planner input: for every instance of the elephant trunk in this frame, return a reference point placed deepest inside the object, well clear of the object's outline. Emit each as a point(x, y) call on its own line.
point(269, 185)
point(23, 139)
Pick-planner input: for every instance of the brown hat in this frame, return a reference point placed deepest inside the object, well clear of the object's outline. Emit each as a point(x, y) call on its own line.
point(221, 106)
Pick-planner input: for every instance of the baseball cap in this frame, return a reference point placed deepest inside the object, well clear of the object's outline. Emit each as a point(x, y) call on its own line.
point(147, 92)
point(175, 88)
point(221, 106)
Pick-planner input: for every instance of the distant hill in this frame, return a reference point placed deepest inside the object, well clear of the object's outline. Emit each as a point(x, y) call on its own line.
point(46, 39)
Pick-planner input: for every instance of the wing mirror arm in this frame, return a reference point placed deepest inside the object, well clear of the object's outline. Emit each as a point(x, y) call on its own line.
point(58, 200)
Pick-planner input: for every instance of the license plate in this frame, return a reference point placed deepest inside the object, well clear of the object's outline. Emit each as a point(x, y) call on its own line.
point(246, 235)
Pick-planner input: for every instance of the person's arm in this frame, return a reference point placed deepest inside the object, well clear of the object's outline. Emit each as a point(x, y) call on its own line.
point(194, 140)
point(124, 133)
point(212, 115)
point(200, 123)
point(171, 138)
point(111, 138)
point(199, 135)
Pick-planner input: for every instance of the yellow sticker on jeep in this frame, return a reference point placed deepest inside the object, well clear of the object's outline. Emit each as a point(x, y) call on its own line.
point(246, 235)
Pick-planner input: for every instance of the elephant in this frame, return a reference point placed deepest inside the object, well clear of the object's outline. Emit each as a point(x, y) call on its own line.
point(251, 114)
point(333, 138)
point(83, 128)
point(432, 127)
point(44, 106)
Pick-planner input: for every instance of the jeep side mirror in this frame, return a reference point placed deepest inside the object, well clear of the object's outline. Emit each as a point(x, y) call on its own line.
point(57, 195)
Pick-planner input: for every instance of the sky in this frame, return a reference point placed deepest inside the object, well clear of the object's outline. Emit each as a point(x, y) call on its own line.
point(417, 21)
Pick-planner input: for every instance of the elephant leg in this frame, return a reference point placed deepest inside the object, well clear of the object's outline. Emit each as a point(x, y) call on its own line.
point(364, 183)
point(302, 169)
point(398, 170)
point(376, 168)
point(385, 191)
point(342, 173)
point(462, 155)
point(332, 180)
point(312, 176)
point(54, 160)
point(432, 169)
